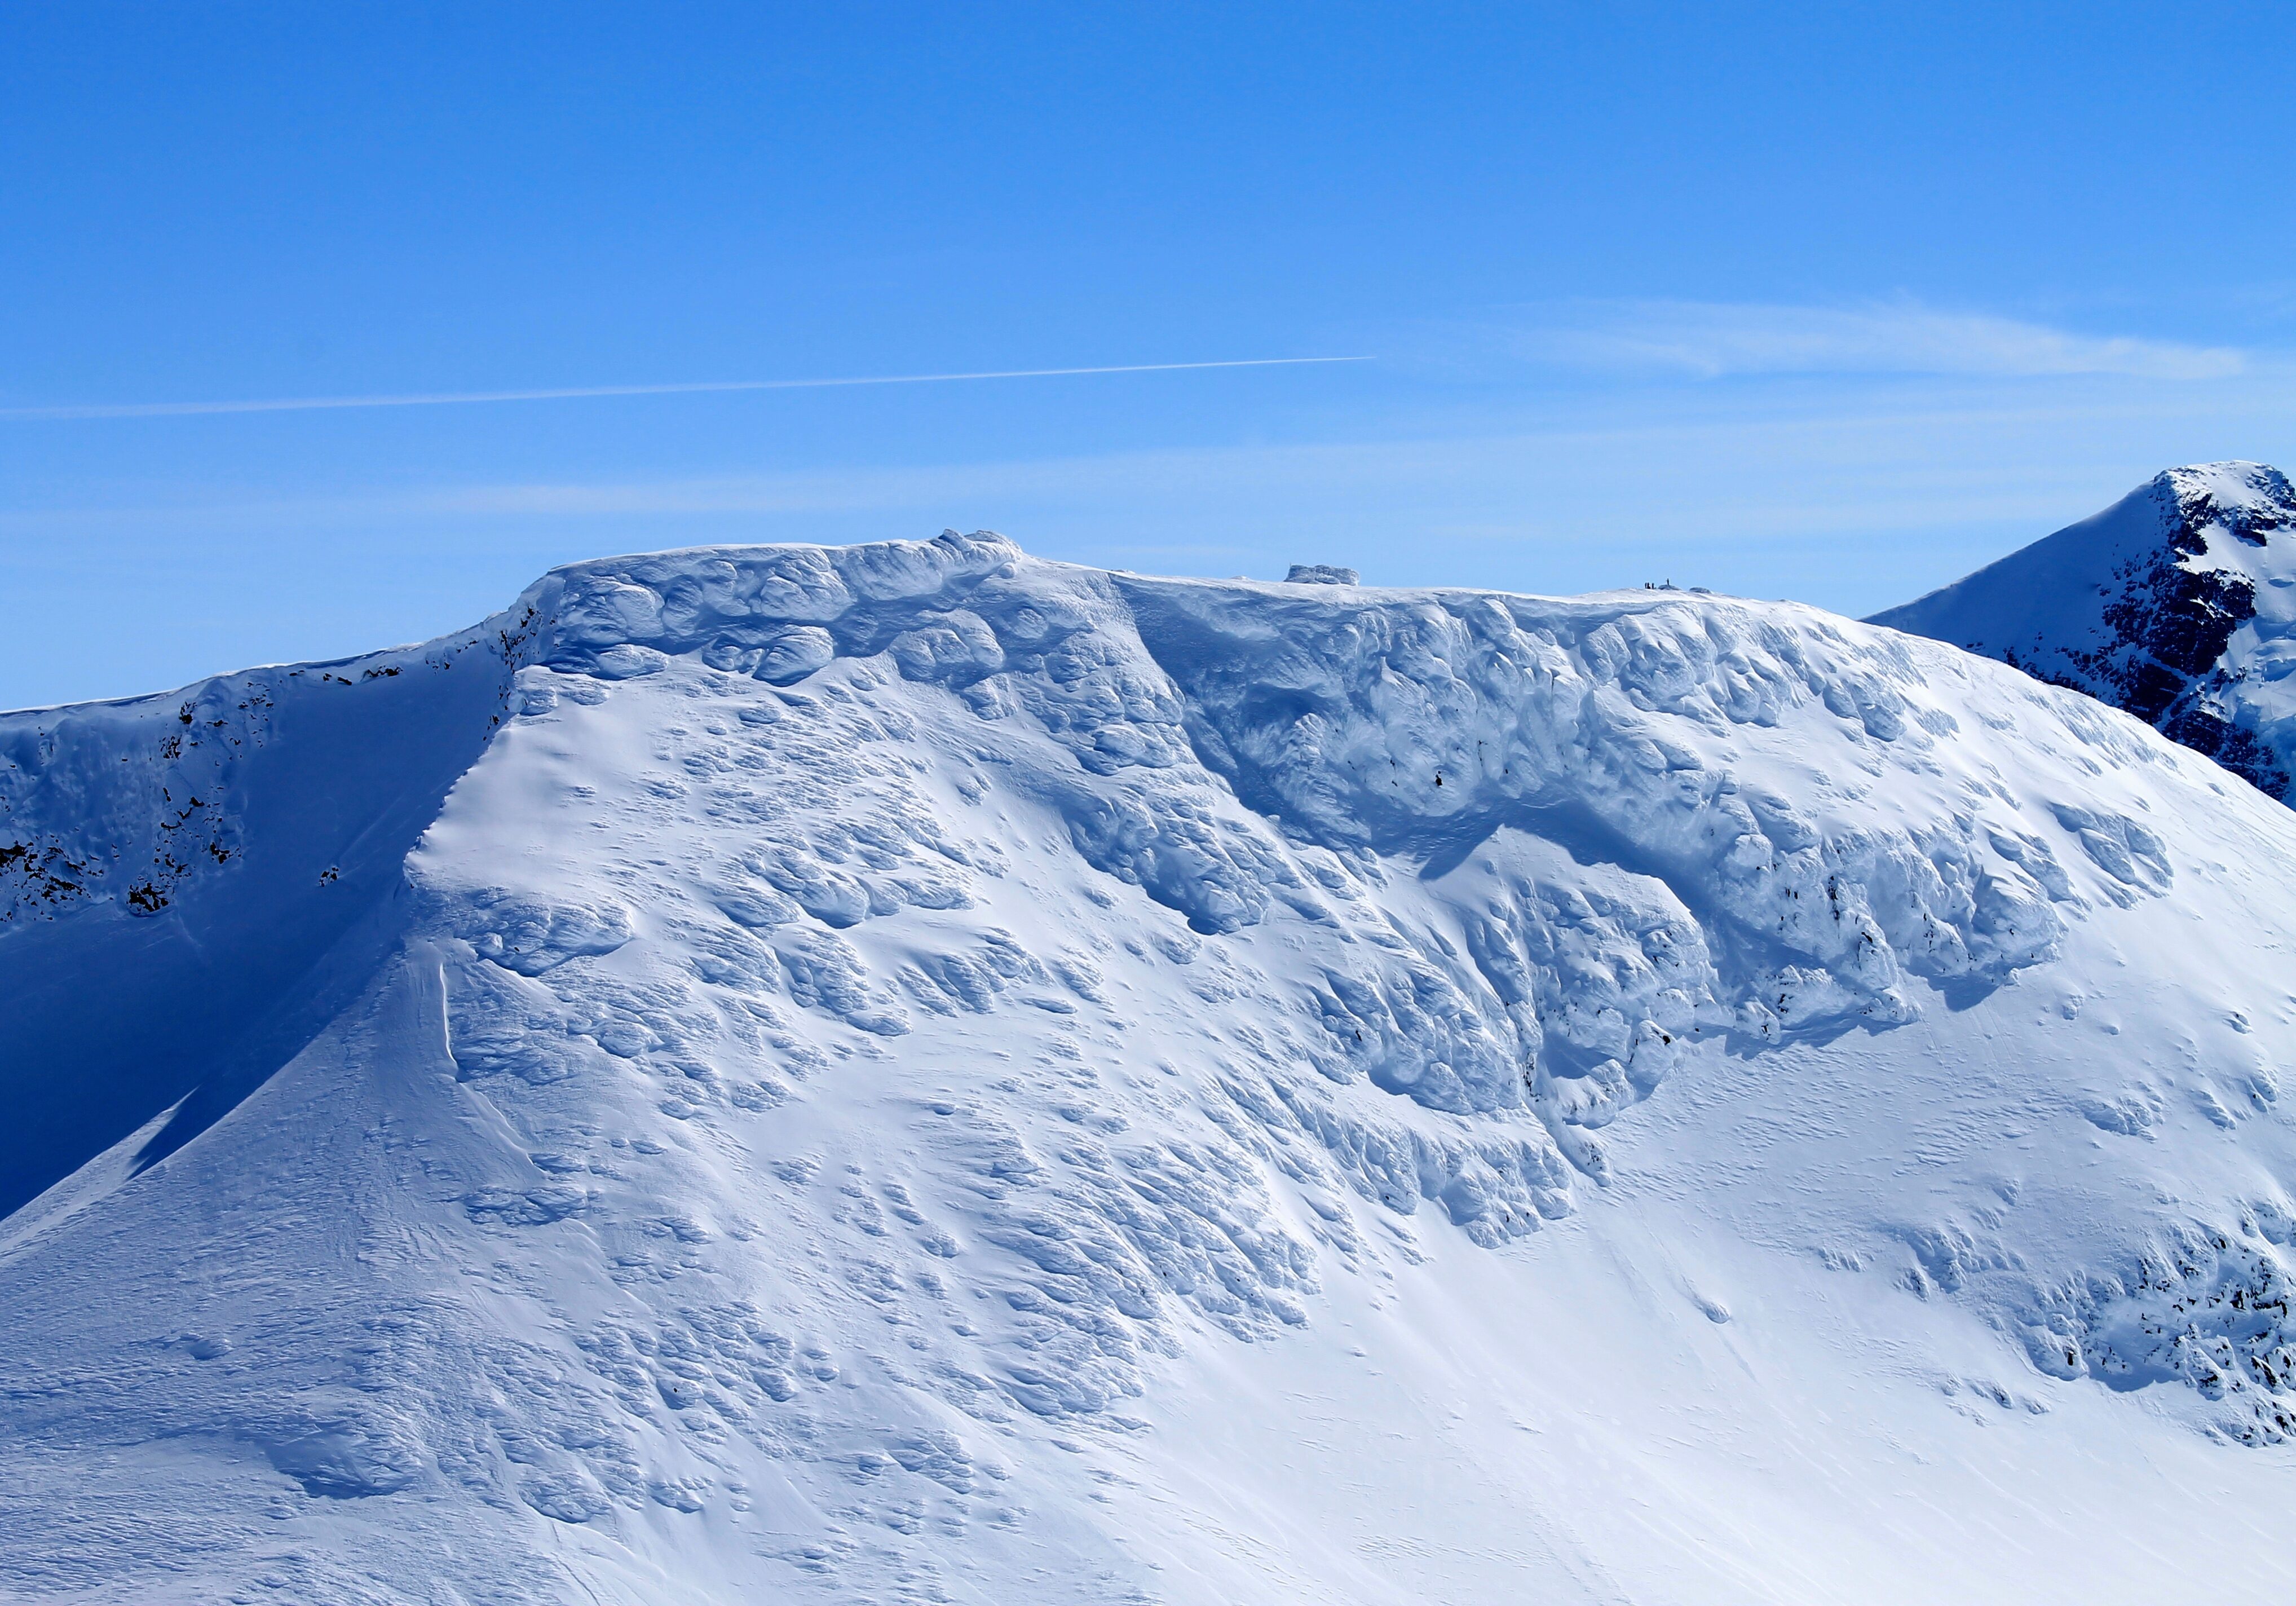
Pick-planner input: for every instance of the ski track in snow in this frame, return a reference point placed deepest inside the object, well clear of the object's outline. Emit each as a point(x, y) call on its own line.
point(910, 1072)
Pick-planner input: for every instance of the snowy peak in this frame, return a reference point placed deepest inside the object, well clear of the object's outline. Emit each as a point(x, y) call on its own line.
point(915, 1072)
point(1554, 778)
point(2176, 603)
point(2250, 500)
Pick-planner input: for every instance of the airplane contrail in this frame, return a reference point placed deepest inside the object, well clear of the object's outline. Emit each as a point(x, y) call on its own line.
point(448, 398)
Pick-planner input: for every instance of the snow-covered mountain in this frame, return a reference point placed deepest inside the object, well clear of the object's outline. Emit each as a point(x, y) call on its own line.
point(914, 1073)
point(2178, 604)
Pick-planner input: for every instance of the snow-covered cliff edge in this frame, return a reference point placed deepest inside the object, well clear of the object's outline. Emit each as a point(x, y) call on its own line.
point(913, 1071)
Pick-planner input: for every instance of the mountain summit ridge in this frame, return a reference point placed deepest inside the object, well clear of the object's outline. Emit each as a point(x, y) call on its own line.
point(2175, 603)
point(916, 1071)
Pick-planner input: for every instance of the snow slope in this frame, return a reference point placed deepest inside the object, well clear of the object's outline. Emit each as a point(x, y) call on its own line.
point(2178, 604)
point(913, 1073)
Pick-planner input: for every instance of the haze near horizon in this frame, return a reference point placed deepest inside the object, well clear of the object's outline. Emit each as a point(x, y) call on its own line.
point(1785, 304)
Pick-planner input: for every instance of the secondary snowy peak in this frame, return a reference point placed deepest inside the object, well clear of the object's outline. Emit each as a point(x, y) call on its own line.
point(2178, 604)
point(911, 1071)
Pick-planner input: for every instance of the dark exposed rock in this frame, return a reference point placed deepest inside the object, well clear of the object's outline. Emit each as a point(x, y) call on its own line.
point(2169, 605)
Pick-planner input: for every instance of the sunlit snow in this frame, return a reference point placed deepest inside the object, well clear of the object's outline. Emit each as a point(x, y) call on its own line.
point(914, 1073)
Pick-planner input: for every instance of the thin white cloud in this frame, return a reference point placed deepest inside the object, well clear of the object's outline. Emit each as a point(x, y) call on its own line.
point(1693, 470)
point(448, 398)
point(1701, 474)
point(1712, 340)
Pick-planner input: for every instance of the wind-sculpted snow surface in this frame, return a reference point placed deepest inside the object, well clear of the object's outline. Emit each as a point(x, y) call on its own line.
point(2174, 603)
point(877, 1044)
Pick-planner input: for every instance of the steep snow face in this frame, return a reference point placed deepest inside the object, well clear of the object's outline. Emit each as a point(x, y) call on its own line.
point(195, 858)
point(912, 1072)
point(2178, 604)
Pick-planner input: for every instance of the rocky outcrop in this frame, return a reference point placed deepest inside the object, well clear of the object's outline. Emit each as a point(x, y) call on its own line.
point(2174, 604)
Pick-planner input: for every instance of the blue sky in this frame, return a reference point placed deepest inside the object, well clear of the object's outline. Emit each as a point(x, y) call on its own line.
point(1833, 303)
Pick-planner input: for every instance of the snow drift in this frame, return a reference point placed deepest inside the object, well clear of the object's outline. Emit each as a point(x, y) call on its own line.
point(914, 1073)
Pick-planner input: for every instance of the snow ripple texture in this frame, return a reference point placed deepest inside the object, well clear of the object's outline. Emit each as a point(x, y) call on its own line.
point(867, 1010)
